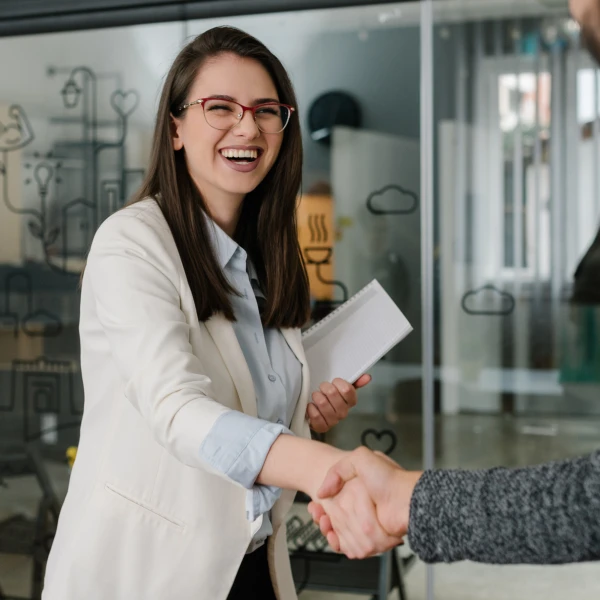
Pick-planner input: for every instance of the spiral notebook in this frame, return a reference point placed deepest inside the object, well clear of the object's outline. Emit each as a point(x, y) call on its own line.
point(350, 340)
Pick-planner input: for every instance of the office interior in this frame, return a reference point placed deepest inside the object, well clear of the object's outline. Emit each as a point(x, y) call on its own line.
point(452, 152)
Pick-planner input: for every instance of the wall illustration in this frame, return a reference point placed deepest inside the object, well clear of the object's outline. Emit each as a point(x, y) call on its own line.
point(51, 204)
point(317, 238)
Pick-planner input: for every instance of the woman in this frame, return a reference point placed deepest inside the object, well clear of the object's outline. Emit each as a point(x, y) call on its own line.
point(193, 368)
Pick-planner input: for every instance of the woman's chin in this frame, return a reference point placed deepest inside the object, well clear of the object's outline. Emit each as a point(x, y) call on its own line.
point(242, 187)
point(241, 190)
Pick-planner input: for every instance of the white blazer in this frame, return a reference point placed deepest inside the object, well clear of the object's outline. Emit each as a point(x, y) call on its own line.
point(145, 518)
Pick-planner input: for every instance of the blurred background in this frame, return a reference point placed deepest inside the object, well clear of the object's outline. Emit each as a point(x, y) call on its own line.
point(514, 167)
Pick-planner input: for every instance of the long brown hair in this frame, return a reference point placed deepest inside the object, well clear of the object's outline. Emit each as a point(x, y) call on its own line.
point(267, 227)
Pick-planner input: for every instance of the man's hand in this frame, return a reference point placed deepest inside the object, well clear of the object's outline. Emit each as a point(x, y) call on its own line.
point(580, 9)
point(331, 403)
point(389, 488)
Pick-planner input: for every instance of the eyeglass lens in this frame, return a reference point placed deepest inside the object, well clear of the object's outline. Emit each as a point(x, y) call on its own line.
point(222, 114)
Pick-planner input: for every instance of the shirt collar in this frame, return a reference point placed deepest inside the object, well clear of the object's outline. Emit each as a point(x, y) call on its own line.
point(223, 245)
point(231, 253)
point(252, 274)
point(226, 249)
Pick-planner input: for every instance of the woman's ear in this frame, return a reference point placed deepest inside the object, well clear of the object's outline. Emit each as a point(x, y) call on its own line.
point(176, 133)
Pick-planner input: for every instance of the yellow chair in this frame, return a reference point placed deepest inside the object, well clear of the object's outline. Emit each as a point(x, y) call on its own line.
point(71, 455)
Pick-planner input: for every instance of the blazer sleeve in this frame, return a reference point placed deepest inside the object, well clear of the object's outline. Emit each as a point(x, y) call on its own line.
point(135, 286)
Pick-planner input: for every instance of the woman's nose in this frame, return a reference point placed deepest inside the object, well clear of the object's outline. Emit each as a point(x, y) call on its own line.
point(247, 126)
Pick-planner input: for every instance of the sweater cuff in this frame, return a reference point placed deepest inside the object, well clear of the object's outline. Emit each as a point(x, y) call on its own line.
point(441, 517)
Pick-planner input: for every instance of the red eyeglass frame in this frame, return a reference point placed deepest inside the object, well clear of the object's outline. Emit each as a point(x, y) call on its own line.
point(244, 108)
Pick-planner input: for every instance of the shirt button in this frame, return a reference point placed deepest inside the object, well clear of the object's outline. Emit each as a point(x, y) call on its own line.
point(280, 421)
point(272, 378)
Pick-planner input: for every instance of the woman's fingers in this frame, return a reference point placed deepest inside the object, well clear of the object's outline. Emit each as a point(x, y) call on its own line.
point(362, 381)
point(352, 516)
point(346, 391)
point(333, 541)
point(316, 419)
point(332, 402)
point(325, 407)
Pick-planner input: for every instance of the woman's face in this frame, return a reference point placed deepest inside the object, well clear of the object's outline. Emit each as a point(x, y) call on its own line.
point(245, 81)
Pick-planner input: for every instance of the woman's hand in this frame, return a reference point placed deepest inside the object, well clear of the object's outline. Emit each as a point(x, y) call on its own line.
point(350, 522)
point(347, 518)
point(332, 403)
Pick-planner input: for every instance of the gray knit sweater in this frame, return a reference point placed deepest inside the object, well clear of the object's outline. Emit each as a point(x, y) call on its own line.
point(540, 515)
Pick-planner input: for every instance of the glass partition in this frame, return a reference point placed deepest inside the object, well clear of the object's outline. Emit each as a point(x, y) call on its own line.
point(356, 72)
point(77, 113)
point(516, 191)
point(76, 118)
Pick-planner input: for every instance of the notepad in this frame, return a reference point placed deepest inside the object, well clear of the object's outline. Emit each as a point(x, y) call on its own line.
point(351, 339)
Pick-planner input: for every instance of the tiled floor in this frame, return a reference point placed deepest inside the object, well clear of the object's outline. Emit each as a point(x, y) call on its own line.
point(467, 441)
point(468, 581)
point(463, 581)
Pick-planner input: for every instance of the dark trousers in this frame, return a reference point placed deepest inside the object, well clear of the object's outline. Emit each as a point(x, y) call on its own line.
point(253, 580)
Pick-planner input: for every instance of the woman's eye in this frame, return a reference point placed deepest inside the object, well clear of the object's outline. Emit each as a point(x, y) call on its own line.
point(220, 107)
point(268, 111)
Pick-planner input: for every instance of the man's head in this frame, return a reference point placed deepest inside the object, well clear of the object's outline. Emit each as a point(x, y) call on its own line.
point(587, 14)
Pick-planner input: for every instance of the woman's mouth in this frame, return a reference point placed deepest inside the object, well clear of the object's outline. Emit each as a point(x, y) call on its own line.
point(240, 159)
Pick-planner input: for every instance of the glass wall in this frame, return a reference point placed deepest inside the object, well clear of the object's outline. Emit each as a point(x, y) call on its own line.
point(515, 197)
point(76, 115)
point(359, 207)
point(356, 72)
point(516, 209)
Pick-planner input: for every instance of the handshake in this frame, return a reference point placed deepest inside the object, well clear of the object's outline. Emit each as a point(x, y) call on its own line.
point(362, 506)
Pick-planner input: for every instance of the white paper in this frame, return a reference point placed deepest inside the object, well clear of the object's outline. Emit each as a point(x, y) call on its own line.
point(354, 337)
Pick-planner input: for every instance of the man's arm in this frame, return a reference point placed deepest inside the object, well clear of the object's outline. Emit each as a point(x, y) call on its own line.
point(541, 515)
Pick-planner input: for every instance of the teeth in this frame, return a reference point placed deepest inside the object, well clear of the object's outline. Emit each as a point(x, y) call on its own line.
point(231, 153)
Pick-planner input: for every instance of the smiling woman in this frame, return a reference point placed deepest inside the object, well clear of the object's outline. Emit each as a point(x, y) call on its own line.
point(221, 124)
point(196, 384)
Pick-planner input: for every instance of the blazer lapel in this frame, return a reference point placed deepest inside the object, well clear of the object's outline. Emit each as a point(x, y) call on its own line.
point(299, 425)
point(221, 331)
point(226, 341)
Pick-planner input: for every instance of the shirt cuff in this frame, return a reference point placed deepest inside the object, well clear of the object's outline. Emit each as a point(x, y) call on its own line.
point(237, 446)
point(261, 499)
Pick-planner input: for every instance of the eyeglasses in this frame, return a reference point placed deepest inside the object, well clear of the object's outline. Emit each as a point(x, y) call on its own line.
point(270, 117)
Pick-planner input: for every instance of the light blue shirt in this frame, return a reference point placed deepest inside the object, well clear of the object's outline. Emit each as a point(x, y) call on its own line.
point(238, 444)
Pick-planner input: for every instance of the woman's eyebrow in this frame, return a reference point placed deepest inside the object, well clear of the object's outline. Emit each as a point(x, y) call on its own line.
point(264, 101)
point(254, 103)
point(222, 97)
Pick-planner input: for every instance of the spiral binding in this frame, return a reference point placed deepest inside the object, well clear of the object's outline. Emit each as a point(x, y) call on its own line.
point(340, 308)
